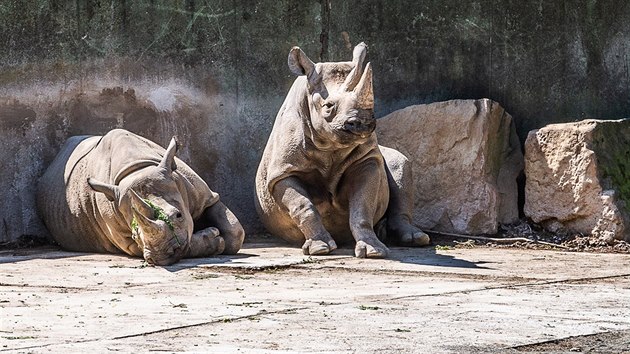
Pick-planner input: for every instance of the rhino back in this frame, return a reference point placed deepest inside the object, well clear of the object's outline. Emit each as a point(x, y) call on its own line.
point(63, 200)
point(81, 219)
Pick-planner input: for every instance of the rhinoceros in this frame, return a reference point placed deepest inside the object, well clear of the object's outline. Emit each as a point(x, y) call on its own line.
point(122, 193)
point(323, 179)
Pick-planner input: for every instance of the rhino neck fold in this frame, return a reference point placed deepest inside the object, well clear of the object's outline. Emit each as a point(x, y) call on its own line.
point(133, 167)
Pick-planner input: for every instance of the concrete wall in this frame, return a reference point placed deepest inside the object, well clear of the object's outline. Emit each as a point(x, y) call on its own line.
point(214, 73)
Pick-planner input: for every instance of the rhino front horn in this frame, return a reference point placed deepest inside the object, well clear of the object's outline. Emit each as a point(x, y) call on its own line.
point(139, 205)
point(364, 90)
point(143, 213)
point(358, 56)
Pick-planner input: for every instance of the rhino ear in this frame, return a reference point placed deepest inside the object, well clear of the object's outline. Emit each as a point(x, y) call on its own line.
point(168, 161)
point(300, 64)
point(111, 191)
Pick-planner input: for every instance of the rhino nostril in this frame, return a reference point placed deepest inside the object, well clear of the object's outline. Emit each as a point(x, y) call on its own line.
point(352, 124)
point(175, 250)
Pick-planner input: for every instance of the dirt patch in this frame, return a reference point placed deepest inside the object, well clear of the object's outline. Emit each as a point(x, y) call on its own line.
point(609, 342)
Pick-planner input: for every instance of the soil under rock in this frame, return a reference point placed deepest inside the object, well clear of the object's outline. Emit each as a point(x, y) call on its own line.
point(531, 236)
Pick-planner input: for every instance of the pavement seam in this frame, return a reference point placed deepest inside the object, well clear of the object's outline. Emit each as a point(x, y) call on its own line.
point(507, 286)
point(63, 287)
point(420, 272)
point(26, 285)
point(163, 330)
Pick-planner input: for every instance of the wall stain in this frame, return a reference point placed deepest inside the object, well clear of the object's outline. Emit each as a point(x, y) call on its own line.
point(324, 36)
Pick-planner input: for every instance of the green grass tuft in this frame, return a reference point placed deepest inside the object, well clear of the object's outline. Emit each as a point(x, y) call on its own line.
point(158, 214)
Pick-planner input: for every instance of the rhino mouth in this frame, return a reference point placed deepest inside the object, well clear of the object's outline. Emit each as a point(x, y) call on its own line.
point(164, 257)
point(159, 260)
point(359, 130)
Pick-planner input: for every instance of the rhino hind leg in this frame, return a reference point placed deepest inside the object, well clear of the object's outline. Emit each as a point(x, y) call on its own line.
point(398, 218)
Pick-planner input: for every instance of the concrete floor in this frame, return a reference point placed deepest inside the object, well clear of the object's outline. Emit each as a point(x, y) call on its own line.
point(270, 298)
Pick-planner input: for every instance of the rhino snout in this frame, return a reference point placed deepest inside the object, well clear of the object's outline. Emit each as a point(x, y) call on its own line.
point(359, 127)
point(164, 258)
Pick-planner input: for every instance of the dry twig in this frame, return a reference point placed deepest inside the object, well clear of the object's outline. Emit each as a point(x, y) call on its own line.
point(498, 240)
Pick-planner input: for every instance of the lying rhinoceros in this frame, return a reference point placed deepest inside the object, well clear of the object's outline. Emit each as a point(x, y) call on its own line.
point(123, 193)
point(323, 178)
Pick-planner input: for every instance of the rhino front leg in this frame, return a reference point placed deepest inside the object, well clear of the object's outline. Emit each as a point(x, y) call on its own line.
point(230, 229)
point(367, 199)
point(293, 197)
point(400, 182)
point(220, 218)
point(206, 242)
point(219, 232)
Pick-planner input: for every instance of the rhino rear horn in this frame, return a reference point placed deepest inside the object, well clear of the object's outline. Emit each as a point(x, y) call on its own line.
point(358, 56)
point(300, 64)
point(168, 161)
point(111, 191)
point(364, 89)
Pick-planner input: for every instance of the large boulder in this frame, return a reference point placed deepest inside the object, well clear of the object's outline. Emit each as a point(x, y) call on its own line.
point(466, 157)
point(578, 177)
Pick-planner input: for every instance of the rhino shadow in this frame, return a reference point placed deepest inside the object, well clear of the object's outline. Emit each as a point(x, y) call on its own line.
point(189, 263)
point(420, 256)
point(14, 255)
point(429, 257)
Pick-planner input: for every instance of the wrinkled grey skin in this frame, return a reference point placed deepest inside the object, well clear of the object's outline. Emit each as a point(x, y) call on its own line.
point(323, 178)
point(97, 185)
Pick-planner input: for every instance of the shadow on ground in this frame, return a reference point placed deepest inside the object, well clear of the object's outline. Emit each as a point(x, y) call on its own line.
point(427, 256)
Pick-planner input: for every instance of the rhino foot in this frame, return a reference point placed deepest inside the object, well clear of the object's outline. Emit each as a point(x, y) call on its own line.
point(408, 235)
point(206, 242)
point(318, 247)
point(373, 249)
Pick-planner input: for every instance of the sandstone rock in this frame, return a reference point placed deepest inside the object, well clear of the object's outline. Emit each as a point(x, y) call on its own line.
point(578, 177)
point(466, 157)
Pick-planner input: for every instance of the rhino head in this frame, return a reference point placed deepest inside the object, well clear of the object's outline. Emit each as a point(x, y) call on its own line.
point(150, 201)
point(340, 97)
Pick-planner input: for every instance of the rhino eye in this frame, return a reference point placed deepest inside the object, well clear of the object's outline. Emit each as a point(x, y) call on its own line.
point(178, 215)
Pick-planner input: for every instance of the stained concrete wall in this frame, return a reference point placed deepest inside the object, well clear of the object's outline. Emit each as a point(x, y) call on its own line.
point(214, 73)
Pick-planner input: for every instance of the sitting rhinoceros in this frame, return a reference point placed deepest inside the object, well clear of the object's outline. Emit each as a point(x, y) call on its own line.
point(123, 193)
point(323, 178)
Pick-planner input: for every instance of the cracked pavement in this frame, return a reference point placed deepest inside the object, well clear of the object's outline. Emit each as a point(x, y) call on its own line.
point(271, 299)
